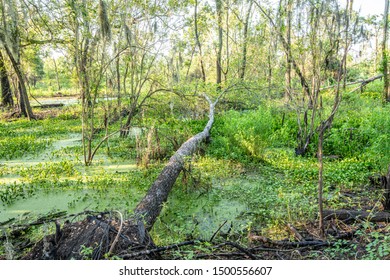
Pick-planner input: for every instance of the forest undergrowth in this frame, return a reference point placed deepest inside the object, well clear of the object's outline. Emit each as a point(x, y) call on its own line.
point(245, 195)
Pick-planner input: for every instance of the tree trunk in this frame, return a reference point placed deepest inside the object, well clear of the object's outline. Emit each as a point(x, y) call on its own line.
point(125, 129)
point(6, 93)
point(245, 44)
point(386, 202)
point(57, 77)
point(24, 102)
point(288, 54)
point(293, 63)
point(118, 81)
point(218, 4)
point(269, 66)
point(198, 41)
point(348, 13)
point(150, 206)
point(386, 88)
point(320, 182)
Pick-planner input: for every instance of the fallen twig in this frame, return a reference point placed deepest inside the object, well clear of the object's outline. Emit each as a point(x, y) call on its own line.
point(158, 249)
point(295, 232)
point(215, 233)
point(242, 249)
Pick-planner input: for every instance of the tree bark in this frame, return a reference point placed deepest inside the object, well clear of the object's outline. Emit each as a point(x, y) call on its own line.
point(386, 88)
point(11, 41)
point(198, 41)
point(6, 93)
point(375, 217)
point(57, 77)
point(150, 206)
point(320, 181)
point(348, 13)
point(24, 102)
point(362, 83)
point(386, 203)
point(288, 54)
point(218, 4)
point(245, 44)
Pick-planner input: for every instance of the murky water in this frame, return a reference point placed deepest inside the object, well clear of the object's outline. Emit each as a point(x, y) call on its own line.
point(206, 213)
point(65, 100)
point(71, 201)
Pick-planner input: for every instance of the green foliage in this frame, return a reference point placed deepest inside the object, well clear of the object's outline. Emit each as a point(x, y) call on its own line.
point(248, 176)
point(369, 243)
point(86, 252)
point(242, 136)
point(16, 147)
point(378, 246)
point(361, 130)
point(49, 171)
point(11, 192)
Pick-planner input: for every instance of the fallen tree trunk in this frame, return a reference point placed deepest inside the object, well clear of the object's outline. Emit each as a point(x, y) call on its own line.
point(361, 82)
point(51, 105)
point(346, 215)
point(106, 236)
point(150, 206)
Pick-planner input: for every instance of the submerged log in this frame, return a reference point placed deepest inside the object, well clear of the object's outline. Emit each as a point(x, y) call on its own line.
point(96, 236)
point(375, 217)
point(51, 105)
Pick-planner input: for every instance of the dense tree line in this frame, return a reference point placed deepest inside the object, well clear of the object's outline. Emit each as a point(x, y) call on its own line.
point(303, 54)
point(134, 50)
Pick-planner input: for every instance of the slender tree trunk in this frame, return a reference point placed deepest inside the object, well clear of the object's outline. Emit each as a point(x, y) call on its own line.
point(198, 42)
point(386, 89)
point(245, 43)
point(218, 4)
point(320, 181)
point(287, 49)
point(348, 12)
point(6, 93)
point(386, 203)
point(118, 82)
point(288, 56)
point(57, 78)
point(227, 51)
point(125, 130)
point(269, 60)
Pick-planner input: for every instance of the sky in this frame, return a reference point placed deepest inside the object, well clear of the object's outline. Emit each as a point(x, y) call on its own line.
point(367, 7)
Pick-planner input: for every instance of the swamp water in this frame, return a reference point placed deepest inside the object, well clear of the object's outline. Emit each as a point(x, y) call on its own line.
point(109, 185)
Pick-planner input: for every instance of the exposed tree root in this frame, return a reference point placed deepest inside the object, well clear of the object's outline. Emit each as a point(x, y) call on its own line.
point(100, 236)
